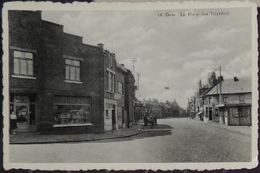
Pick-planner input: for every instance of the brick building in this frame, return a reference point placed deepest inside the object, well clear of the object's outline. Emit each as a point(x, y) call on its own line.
point(121, 71)
point(56, 81)
point(110, 103)
point(130, 89)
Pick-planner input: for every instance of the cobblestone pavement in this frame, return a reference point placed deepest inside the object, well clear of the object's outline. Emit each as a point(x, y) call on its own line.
point(174, 140)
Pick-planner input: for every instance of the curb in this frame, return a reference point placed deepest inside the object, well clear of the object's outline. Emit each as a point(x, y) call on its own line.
point(73, 141)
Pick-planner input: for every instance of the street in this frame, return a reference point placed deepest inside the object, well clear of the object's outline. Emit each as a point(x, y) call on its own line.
point(177, 140)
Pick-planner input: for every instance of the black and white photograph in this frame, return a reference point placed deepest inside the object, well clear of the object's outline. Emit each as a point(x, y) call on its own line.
point(127, 86)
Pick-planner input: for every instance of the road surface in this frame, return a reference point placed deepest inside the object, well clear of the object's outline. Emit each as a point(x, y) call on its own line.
point(175, 140)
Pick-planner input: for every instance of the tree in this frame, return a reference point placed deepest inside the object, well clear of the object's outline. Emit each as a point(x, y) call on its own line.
point(212, 79)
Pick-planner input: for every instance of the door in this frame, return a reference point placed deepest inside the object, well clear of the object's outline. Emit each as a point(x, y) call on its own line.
point(113, 118)
point(210, 114)
point(23, 118)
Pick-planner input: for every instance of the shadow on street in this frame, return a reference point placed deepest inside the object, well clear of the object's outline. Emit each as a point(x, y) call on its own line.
point(147, 131)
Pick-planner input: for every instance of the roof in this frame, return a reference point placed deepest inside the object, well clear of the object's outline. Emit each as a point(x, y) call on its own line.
point(121, 67)
point(229, 86)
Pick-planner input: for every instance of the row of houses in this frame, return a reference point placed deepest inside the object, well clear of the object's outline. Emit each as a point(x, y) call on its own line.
point(226, 101)
point(159, 109)
point(60, 84)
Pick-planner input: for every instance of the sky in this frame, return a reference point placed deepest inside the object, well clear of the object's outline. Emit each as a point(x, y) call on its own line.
point(174, 51)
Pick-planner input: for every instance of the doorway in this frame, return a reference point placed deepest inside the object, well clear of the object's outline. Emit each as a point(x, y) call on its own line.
point(24, 108)
point(22, 113)
point(210, 114)
point(113, 118)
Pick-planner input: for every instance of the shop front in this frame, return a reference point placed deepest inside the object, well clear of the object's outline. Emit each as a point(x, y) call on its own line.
point(237, 115)
point(24, 108)
point(72, 111)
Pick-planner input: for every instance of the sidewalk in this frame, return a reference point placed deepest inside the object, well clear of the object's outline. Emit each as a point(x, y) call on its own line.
point(35, 138)
point(243, 130)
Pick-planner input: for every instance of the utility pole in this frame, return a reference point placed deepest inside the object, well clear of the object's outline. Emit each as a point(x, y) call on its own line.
point(220, 85)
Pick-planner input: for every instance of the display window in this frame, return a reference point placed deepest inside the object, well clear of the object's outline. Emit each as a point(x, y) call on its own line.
point(234, 112)
point(72, 110)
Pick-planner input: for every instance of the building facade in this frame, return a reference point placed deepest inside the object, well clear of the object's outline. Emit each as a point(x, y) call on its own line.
point(60, 84)
point(229, 102)
point(121, 71)
point(56, 82)
point(130, 98)
point(110, 102)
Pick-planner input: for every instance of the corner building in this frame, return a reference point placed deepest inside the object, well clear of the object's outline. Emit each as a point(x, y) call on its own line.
point(56, 81)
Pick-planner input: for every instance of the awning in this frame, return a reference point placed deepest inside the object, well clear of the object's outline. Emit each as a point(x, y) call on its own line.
point(220, 105)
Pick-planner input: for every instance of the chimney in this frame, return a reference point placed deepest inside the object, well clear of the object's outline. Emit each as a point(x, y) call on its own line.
point(220, 78)
point(101, 46)
point(236, 79)
point(114, 55)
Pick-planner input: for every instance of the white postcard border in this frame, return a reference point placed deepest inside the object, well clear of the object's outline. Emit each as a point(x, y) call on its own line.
point(128, 6)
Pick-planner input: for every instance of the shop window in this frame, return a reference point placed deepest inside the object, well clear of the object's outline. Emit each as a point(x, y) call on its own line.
point(72, 110)
point(23, 63)
point(234, 112)
point(245, 111)
point(72, 70)
point(24, 107)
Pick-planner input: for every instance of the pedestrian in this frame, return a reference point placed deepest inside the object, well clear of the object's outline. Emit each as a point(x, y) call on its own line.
point(13, 122)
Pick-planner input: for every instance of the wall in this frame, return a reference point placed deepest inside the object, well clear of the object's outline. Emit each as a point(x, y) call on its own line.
point(129, 97)
point(120, 77)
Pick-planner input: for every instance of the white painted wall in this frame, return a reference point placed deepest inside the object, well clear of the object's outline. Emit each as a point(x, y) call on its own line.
point(108, 120)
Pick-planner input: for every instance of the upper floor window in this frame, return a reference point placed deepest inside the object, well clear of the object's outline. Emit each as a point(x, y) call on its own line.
point(120, 88)
point(23, 63)
point(110, 81)
point(242, 98)
point(225, 99)
point(110, 61)
point(72, 70)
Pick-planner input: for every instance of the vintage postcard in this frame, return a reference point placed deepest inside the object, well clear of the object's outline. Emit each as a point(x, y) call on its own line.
point(128, 86)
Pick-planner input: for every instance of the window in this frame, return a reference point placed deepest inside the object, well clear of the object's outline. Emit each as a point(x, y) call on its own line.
point(245, 111)
point(72, 70)
point(234, 112)
point(23, 63)
point(107, 80)
point(110, 60)
point(225, 99)
point(120, 88)
point(110, 81)
point(242, 98)
point(72, 110)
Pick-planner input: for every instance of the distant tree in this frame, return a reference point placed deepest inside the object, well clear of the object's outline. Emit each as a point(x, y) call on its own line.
point(212, 79)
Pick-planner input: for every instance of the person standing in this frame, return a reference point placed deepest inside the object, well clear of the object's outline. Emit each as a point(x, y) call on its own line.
point(13, 122)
